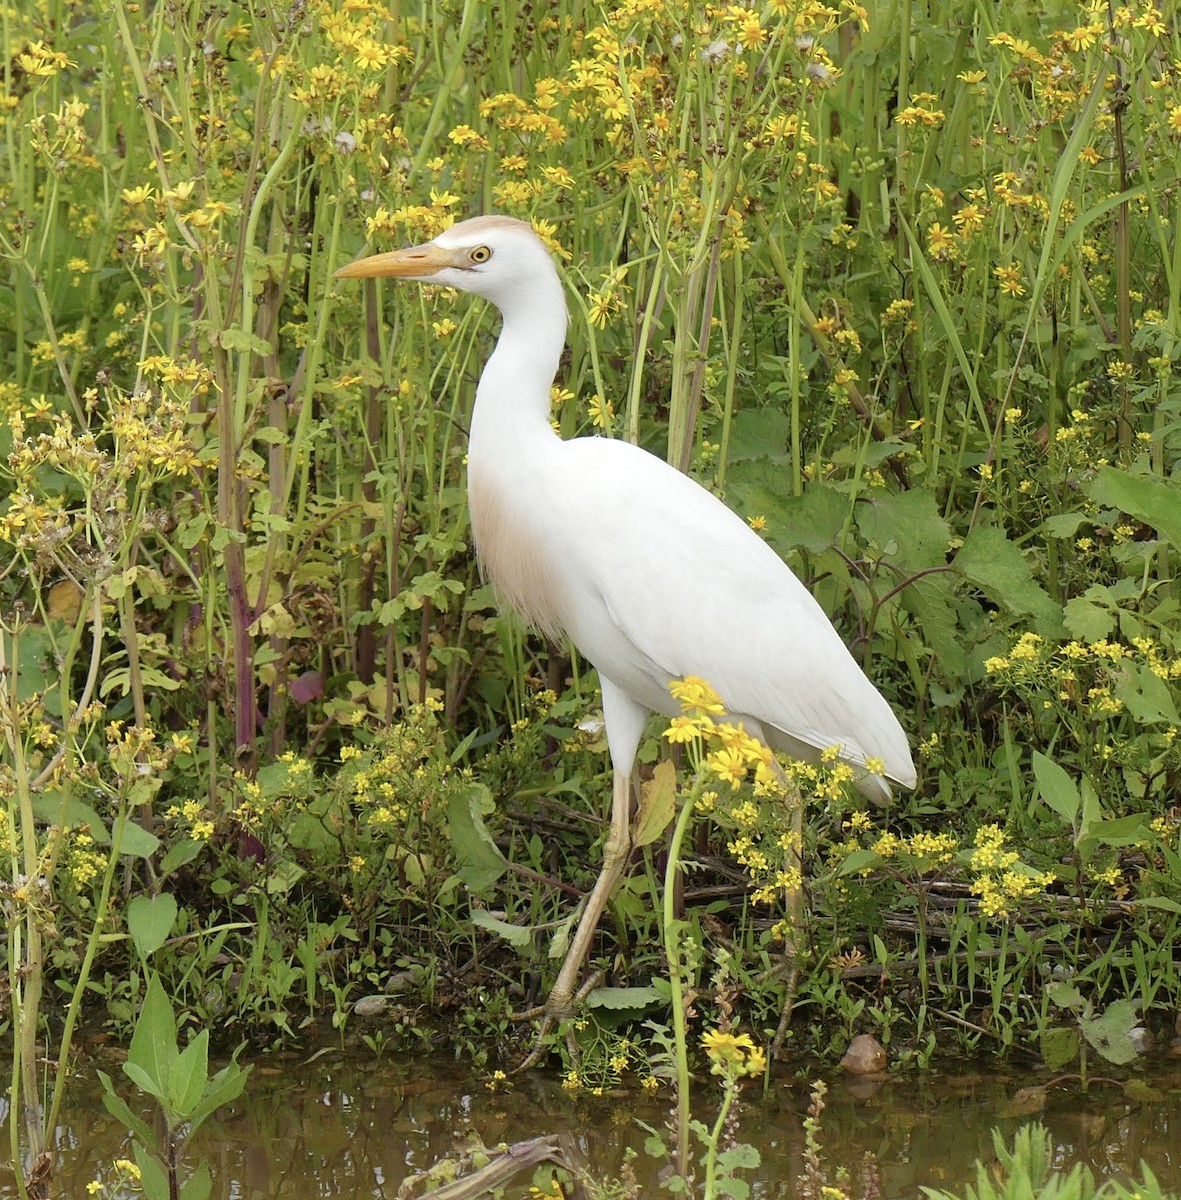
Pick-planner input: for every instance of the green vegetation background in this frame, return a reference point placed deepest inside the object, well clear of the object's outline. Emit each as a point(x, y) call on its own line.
point(900, 282)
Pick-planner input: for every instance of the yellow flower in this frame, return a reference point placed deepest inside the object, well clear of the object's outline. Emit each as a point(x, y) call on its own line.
point(940, 240)
point(683, 729)
point(729, 765)
point(602, 413)
point(693, 693)
point(137, 195)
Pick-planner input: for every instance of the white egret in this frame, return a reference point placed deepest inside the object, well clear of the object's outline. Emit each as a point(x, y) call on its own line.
point(650, 575)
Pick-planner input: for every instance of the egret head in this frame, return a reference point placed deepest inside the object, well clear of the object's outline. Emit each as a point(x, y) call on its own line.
point(496, 257)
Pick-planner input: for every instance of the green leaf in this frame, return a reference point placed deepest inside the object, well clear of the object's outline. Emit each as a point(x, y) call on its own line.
point(623, 997)
point(1063, 525)
point(148, 1084)
point(998, 568)
point(152, 1180)
point(1146, 696)
point(225, 1087)
point(119, 1109)
point(1059, 1047)
point(857, 861)
point(1057, 788)
point(1110, 1032)
point(759, 433)
point(283, 876)
point(58, 808)
point(1152, 501)
point(1064, 995)
point(241, 340)
point(199, 1184)
point(153, 1047)
point(150, 920)
point(658, 803)
point(479, 863)
point(180, 854)
point(911, 520)
point(190, 1073)
point(1119, 831)
point(518, 936)
point(1086, 620)
point(138, 842)
point(742, 1157)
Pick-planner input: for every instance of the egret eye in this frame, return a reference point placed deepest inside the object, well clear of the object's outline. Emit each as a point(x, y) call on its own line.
point(480, 254)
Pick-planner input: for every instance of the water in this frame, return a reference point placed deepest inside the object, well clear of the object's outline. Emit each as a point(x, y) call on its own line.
point(349, 1127)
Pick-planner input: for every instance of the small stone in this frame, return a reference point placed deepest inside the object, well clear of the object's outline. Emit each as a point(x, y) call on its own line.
point(864, 1056)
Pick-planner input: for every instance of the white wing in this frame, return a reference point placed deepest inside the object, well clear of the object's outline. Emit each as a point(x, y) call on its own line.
point(661, 580)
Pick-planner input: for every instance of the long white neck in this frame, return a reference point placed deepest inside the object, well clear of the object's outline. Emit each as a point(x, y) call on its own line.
point(513, 396)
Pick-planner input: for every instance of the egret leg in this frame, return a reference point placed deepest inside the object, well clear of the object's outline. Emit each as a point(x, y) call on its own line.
point(616, 853)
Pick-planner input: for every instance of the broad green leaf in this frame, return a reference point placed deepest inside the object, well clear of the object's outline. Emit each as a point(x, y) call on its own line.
point(910, 520)
point(225, 1087)
point(759, 433)
point(152, 1180)
point(1119, 831)
point(658, 803)
point(1146, 696)
point(190, 1073)
point(623, 997)
point(1059, 1047)
point(148, 1084)
point(1110, 1032)
point(199, 1184)
point(479, 862)
point(150, 920)
point(520, 937)
point(1063, 525)
point(1057, 788)
point(283, 876)
point(180, 854)
point(32, 655)
point(998, 568)
point(1152, 501)
point(1064, 995)
point(814, 521)
point(54, 808)
point(153, 1043)
point(1086, 620)
point(119, 1109)
point(857, 861)
point(138, 842)
point(741, 1157)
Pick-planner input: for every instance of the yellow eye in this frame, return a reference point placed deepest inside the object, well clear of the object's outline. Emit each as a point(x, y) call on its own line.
point(481, 254)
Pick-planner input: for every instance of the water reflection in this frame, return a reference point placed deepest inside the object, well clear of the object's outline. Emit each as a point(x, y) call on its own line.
point(348, 1127)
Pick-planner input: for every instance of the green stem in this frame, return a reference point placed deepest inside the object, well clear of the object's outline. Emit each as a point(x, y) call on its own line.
point(711, 1146)
point(672, 928)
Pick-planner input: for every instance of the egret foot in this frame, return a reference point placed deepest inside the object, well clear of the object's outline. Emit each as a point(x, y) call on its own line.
point(549, 1018)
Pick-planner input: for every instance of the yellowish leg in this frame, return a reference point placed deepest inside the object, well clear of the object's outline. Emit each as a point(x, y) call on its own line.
point(615, 856)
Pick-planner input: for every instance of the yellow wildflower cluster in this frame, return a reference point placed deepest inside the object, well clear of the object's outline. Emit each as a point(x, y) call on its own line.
point(756, 793)
point(193, 817)
point(41, 61)
point(733, 1056)
point(1002, 880)
point(148, 441)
